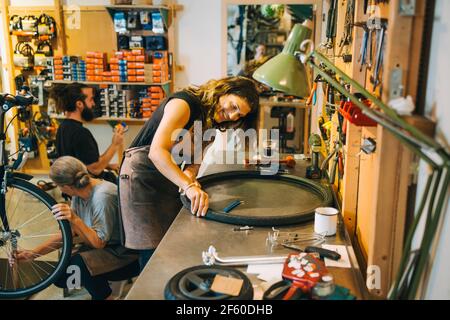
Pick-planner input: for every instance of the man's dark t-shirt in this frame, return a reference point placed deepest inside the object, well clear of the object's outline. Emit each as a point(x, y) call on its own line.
point(72, 139)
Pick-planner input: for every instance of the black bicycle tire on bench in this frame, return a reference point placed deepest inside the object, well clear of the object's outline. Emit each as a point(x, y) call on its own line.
point(46, 199)
point(172, 291)
point(266, 221)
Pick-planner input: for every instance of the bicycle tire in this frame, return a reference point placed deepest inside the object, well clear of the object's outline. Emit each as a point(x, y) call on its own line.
point(267, 221)
point(177, 287)
point(65, 250)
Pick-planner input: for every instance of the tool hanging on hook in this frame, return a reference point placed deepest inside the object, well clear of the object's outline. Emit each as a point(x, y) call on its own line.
point(332, 24)
point(347, 38)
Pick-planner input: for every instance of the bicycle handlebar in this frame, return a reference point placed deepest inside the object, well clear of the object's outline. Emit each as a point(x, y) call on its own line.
point(23, 99)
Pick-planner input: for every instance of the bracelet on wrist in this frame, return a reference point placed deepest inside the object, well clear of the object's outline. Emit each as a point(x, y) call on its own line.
point(192, 184)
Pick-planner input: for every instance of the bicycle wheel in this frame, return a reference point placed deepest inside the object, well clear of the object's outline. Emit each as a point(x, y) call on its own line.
point(27, 223)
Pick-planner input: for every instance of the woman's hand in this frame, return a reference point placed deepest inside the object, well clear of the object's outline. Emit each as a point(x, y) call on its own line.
point(199, 201)
point(62, 211)
point(22, 255)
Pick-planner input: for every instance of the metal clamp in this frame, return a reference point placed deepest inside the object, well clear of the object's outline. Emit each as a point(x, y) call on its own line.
point(211, 257)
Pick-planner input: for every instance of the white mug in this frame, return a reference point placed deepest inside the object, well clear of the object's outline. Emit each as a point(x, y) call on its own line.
point(325, 221)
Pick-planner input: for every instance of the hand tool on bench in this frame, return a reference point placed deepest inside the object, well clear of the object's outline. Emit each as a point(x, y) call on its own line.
point(324, 253)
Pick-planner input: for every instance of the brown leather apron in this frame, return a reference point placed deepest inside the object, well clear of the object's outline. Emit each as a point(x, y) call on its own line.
point(149, 202)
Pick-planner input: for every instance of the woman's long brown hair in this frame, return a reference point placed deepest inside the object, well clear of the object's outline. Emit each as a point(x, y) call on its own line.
point(210, 93)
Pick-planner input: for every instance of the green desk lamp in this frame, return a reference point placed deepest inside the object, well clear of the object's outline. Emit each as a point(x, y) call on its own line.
point(285, 72)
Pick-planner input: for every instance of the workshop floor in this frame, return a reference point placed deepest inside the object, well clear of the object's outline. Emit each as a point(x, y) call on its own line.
point(55, 293)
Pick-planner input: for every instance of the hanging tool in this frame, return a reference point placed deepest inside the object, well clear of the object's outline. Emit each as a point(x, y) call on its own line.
point(348, 26)
point(46, 27)
point(332, 24)
point(375, 77)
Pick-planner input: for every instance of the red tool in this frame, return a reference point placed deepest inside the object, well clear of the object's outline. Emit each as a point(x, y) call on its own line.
point(353, 113)
point(304, 270)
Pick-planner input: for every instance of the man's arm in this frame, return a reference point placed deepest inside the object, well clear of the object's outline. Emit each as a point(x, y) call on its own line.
point(97, 167)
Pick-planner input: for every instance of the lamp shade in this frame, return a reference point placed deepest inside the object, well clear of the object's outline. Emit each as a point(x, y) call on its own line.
point(285, 72)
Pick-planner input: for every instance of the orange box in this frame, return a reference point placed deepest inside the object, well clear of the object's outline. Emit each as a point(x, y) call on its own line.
point(140, 78)
point(157, 73)
point(137, 52)
point(146, 100)
point(127, 53)
point(90, 60)
point(114, 67)
point(131, 58)
point(131, 65)
point(106, 74)
point(155, 102)
point(146, 105)
point(114, 60)
point(131, 78)
point(115, 79)
point(119, 54)
point(155, 89)
point(90, 72)
point(90, 66)
point(98, 78)
point(140, 65)
point(157, 79)
point(59, 72)
point(140, 58)
point(157, 96)
point(90, 78)
point(106, 79)
point(90, 54)
point(59, 77)
point(156, 67)
point(58, 67)
point(140, 72)
point(115, 72)
point(100, 55)
point(132, 72)
point(98, 72)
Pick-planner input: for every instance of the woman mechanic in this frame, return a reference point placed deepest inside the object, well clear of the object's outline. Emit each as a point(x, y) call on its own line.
point(150, 180)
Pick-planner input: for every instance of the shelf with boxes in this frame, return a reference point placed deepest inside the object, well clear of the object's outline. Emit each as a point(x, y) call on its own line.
point(115, 102)
point(147, 28)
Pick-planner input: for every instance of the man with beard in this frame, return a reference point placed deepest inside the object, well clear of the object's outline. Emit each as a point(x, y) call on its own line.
point(76, 100)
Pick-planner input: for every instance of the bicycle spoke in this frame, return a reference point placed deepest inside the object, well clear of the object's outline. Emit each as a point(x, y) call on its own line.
point(20, 277)
point(37, 265)
point(40, 235)
point(15, 209)
point(25, 276)
point(35, 271)
point(32, 219)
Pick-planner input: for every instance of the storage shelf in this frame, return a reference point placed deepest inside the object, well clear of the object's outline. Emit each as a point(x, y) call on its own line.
point(102, 119)
point(111, 82)
point(136, 7)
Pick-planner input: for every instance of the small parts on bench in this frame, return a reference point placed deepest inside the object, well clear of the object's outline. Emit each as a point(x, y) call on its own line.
point(277, 237)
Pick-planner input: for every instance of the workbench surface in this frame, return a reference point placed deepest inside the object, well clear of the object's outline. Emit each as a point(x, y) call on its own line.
point(188, 237)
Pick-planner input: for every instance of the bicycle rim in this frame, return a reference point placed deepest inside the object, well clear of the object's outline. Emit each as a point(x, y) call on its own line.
point(31, 224)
